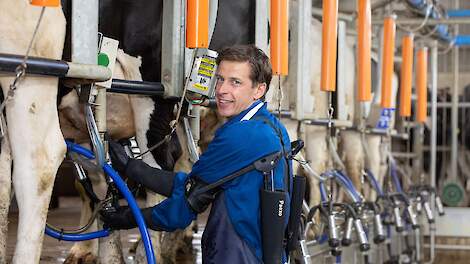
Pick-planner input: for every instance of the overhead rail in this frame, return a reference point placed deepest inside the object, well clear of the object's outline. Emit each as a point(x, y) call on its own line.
point(421, 83)
point(387, 61)
point(406, 75)
point(279, 36)
point(458, 13)
point(363, 53)
point(58, 68)
point(438, 18)
point(329, 46)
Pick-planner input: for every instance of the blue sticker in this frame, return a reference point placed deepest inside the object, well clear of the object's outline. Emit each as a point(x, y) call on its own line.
point(385, 118)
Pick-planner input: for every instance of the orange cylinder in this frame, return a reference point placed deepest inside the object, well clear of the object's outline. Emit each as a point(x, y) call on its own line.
point(363, 53)
point(422, 83)
point(197, 24)
point(406, 74)
point(48, 3)
point(279, 37)
point(387, 61)
point(329, 45)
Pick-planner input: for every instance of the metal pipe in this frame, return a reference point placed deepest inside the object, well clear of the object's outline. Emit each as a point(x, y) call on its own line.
point(58, 68)
point(449, 105)
point(434, 75)
point(347, 239)
point(462, 40)
point(363, 53)
point(458, 12)
point(430, 22)
point(387, 62)
point(261, 29)
point(300, 53)
point(406, 75)
point(279, 36)
point(422, 83)
point(46, 3)
point(454, 111)
point(329, 46)
point(342, 16)
point(197, 24)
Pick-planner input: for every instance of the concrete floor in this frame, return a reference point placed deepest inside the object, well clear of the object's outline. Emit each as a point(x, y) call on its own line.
point(67, 215)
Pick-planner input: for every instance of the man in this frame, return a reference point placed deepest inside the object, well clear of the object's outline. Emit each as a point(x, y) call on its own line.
point(233, 231)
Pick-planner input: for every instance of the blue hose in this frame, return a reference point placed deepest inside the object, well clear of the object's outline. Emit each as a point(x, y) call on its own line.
point(323, 192)
point(349, 185)
point(76, 237)
point(396, 181)
point(374, 183)
point(122, 187)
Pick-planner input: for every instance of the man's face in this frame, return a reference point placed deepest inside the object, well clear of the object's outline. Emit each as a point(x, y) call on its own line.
point(235, 91)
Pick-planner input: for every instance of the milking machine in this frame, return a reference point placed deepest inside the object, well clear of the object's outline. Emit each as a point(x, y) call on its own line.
point(116, 184)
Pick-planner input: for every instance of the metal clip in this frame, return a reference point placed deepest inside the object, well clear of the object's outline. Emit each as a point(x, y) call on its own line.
point(2, 128)
point(361, 234)
point(428, 211)
point(412, 216)
point(398, 220)
point(348, 232)
point(333, 241)
point(439, 206)
point(379, 230)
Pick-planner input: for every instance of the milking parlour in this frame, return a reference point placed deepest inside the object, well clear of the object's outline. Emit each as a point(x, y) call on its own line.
point(221, 131)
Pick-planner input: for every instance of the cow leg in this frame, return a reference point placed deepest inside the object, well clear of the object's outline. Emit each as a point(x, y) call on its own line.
point(353, 156)
point(38, 148)
point(377, 161)
point(84, 251)
point(317, 154)
point(5, 192)
point(142, 108)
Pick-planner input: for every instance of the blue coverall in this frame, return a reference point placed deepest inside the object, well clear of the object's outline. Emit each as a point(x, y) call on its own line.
point(233, 231)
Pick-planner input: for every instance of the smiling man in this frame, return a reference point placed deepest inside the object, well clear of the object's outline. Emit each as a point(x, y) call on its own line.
point(233, 231)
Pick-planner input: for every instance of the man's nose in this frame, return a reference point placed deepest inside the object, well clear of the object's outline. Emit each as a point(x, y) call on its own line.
point(221, 87)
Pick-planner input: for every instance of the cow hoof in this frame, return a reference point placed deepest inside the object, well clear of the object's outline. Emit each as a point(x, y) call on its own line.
point(88, 258)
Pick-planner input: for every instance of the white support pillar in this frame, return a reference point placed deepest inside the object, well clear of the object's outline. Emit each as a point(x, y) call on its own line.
point(261, 25)
point(342, 69)
point(85, 31)
point(454, 109)
point(173, 44)
point(300, 54)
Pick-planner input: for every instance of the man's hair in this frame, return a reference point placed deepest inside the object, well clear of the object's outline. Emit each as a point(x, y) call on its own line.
point(261, 71)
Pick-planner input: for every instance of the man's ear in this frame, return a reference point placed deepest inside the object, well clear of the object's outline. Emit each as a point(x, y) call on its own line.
point(260, 91)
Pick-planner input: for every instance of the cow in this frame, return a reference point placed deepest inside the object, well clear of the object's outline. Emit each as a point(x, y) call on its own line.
point(34, 136)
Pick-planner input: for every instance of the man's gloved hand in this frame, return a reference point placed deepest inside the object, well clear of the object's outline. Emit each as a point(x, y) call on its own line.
point(121, 218)
point(119, 157)
point(199, 200)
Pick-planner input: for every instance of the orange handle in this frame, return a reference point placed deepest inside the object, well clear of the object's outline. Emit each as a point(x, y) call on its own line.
point(48, 3)
point(422, 83)
point(406, 74)
point(363, 42)
point(387, 61)
point(329, 46)
point(279, 37)
point(197, 24)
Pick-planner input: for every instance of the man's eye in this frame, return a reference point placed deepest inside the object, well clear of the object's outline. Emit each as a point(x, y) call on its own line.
point(219, 79)
point(236, 82)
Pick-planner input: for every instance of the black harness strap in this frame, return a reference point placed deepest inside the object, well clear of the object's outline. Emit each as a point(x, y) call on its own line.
point(265, 165)
point(284, 153)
